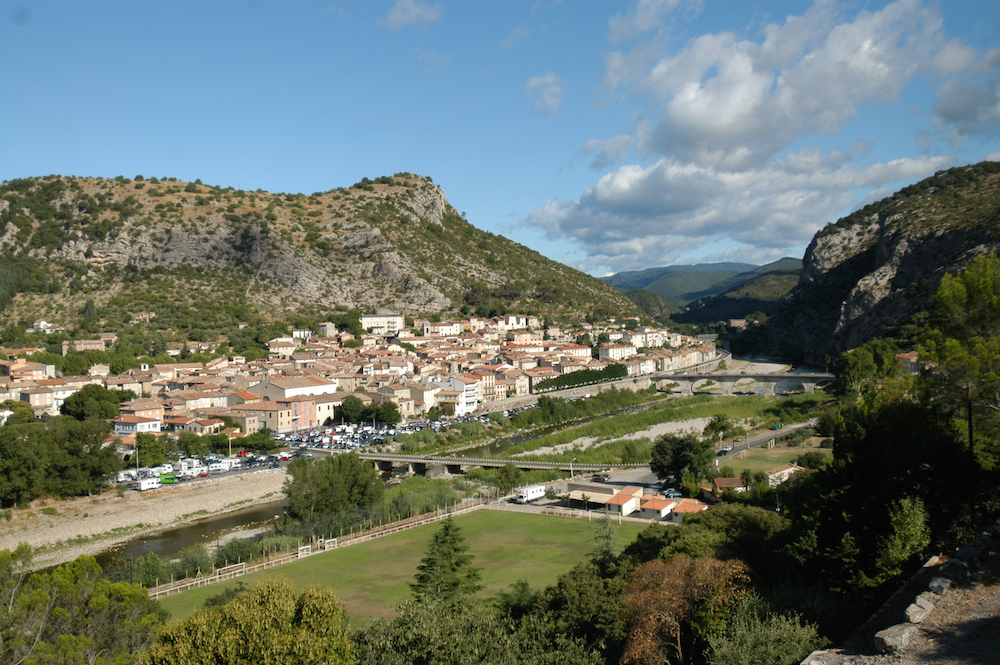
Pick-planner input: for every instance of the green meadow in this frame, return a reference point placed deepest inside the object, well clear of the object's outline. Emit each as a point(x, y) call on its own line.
point(765, 459)
point(372, 578)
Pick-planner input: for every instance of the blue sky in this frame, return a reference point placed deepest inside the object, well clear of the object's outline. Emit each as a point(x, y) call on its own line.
point(607, 135)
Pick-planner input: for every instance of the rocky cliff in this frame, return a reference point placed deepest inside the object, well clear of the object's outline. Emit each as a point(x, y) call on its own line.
point(391, 242)
point(874, 269)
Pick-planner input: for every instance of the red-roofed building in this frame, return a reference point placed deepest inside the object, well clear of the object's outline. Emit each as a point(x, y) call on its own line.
point(656, 507)
point(686, 507)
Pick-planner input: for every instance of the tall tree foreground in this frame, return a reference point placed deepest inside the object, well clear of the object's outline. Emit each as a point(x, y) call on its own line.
point(446, 572)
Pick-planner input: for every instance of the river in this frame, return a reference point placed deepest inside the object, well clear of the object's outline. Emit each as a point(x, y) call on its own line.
point(207, 531)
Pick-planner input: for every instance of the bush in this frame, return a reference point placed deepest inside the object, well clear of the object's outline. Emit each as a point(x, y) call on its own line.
point(192, 561)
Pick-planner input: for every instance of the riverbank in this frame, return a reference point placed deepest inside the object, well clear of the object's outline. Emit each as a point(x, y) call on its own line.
point(694, 425)
point(60, 531)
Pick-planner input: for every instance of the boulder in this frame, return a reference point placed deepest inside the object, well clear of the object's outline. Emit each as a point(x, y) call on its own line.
point(894, 638)
point(939, 585)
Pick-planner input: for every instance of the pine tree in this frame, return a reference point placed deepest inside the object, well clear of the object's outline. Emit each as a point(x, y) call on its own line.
point(446, 571)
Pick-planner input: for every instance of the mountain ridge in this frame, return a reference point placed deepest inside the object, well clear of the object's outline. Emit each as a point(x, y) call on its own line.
point(393, 242)
point(684, 284)
point(868, 273)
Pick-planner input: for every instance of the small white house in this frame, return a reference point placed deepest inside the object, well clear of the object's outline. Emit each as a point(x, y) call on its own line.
point(782, 473)
point(656, 507)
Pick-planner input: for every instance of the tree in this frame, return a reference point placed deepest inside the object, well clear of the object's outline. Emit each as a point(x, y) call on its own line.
point(462, 632)
point(95, 619)
point(352, 408)
point(150, 449)
point(718, 428)
point(268, 624)
point(193, 445)
point(855, 370)
point(755, 634)
point(672, 608)
point(387, 413)
point(446, 572)
point(585, 605)
point(508, 477)
point(677, 454)
point(965, 342)
point(91, 401)
point(605, 540)
point(194, 559)
point(21, 468)
point(23, 413)
point(71, 613)
point(331, 485)
point(886, 447)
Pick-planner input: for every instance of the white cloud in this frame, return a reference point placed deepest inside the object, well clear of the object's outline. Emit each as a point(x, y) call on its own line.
point(547, 91)
point(736, 124)
point(518, 34)
point(735, 103)
point(638, 216)
point(970, 104)
point(609, 152)
point(409, 12)
point(642, 16)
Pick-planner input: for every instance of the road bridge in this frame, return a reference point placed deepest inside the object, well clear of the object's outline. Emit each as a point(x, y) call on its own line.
point(688, 383)
point(458, 465)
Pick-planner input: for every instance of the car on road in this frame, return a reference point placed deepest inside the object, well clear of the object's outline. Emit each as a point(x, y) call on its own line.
point(725, 450)
point(600, 478)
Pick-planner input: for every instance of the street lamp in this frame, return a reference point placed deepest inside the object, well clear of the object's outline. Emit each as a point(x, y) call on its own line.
point(571, 469)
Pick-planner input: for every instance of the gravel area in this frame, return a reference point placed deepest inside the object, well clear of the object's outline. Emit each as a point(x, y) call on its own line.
point(93, 524)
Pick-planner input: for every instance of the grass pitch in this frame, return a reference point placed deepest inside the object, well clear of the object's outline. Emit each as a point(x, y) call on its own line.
point(765, 459)
point(372, 578)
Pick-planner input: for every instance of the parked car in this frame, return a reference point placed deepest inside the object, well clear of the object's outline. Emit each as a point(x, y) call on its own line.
point(600, 478)
point(672, 493)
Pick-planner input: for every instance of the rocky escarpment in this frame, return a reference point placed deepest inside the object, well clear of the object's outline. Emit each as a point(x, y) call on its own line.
point(872, 270)
point(391, 242)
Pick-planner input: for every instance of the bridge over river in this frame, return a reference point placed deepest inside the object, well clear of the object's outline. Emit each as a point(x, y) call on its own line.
point(456, 465)
point(687, 383)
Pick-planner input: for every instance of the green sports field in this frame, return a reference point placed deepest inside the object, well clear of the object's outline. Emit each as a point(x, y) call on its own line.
point(764, 459)
point(372, 578)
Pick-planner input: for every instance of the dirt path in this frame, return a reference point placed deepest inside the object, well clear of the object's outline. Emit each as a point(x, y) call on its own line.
point(60, 531)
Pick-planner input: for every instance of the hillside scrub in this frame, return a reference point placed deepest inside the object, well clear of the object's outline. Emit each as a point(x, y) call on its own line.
point(182, 251)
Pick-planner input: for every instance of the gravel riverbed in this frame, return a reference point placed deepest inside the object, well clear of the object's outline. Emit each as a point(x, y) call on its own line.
point(60, 531)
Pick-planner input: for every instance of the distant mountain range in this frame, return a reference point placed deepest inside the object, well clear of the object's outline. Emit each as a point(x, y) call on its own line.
point(685, 284)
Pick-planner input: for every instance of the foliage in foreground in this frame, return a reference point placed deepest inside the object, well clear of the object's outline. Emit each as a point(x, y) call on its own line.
point(268, 624)
point(71, 613)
